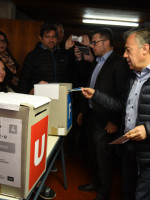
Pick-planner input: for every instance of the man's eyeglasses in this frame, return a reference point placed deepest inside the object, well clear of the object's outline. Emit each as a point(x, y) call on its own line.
point(95, 42)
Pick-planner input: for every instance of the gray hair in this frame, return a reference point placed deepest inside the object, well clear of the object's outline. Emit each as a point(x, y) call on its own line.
point(142, 35)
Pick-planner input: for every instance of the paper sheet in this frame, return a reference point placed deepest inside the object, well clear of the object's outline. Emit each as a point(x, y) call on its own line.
point(12, 101)
point(50, 90)
point(120, 140)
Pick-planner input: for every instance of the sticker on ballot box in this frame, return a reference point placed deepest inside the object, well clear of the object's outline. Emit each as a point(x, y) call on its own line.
point(38, 146)
point(10, 151)
point(69, 111)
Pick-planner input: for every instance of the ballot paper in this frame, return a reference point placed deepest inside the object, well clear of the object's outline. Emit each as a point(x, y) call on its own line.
point(120, 140)
point(12, 101)
point(75, 89)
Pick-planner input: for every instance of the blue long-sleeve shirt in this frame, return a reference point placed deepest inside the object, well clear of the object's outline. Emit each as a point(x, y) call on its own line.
point(132, 102)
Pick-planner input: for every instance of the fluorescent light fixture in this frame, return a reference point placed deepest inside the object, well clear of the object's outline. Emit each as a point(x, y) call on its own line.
point(110, 22)
point(117, 17)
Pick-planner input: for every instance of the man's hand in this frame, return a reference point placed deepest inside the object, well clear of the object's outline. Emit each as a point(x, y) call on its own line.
point(90, 57)
point(69, 43)
point(32, 90)
point(77, 53)
point(138, 133)
point(111, 128)
point(79, 119)
point(85, 40)
point(88, 92)
point(43, 82)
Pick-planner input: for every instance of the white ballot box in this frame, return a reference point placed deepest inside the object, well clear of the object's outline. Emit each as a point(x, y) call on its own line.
point(60, 116)
point(23, 142)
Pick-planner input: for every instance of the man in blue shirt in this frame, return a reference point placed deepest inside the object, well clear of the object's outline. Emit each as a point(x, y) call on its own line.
point(136, 119)
point(108, 75)
point(137, 116)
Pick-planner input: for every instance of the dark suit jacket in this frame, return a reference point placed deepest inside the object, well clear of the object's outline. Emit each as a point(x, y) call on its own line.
point(110, 80)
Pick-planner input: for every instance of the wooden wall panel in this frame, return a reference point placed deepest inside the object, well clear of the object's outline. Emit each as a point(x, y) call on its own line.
point(22, 36)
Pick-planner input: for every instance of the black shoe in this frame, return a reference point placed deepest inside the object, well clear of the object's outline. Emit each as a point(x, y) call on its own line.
point(47, 193)
point(54, 169)
point(87, 188)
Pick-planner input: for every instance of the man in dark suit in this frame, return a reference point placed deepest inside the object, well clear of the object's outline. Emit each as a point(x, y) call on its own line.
point(109, 76)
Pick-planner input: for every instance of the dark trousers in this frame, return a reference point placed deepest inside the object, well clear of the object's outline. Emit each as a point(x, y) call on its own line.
point(136, 180)
point(143, 184)
point(101, 154)
point(129, 171)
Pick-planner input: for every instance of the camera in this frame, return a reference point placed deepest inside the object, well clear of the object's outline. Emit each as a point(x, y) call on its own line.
point(84, 50)
point(76, 38)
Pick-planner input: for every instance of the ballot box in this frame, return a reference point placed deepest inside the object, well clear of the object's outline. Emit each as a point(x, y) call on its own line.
point(23, 142)
point(60, 116)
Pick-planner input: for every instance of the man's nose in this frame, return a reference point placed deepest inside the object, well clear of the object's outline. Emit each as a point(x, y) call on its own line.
point(125, 55)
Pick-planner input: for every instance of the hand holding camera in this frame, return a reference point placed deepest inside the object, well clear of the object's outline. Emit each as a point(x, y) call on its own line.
point(78, 53)
point(76, 38)
point(84, 40)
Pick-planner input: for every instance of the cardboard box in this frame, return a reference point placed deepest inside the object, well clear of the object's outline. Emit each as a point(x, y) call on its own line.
point(60, 116)
point(23, 142)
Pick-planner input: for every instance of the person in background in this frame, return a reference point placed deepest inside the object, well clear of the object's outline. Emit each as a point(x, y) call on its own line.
point(3, 78)
point(82, 66)
point(60, 31)
point(83, 61)
point(109, 75)
point(9, 61)
point(46, 63)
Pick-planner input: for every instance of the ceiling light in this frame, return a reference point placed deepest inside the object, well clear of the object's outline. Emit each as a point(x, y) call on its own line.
point(114, 17)
point(110, 22)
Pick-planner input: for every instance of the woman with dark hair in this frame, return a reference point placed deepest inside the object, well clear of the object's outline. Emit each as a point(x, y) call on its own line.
point(3, 78)
point(9, 61)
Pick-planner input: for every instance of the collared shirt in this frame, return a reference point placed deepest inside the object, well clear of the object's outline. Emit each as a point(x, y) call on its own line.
point(100, 63)
point(132, 102)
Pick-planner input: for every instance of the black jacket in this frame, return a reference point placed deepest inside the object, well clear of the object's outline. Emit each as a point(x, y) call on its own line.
point(111, 81)
point(142, 148)
point(45, 65)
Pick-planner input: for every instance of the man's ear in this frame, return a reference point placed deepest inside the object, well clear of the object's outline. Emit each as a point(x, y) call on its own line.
point(146, 49)
point(40, 38)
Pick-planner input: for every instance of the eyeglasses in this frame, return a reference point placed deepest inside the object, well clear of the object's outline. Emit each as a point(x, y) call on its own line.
point(3, 41)
point(95, 42)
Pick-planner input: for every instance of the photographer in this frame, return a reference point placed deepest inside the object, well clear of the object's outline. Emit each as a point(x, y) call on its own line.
point(84, 56)
point(80, 47)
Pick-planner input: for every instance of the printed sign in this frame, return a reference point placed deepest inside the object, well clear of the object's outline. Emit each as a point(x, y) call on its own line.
point(39, 133)
point(69, 111)
point(10, 151)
